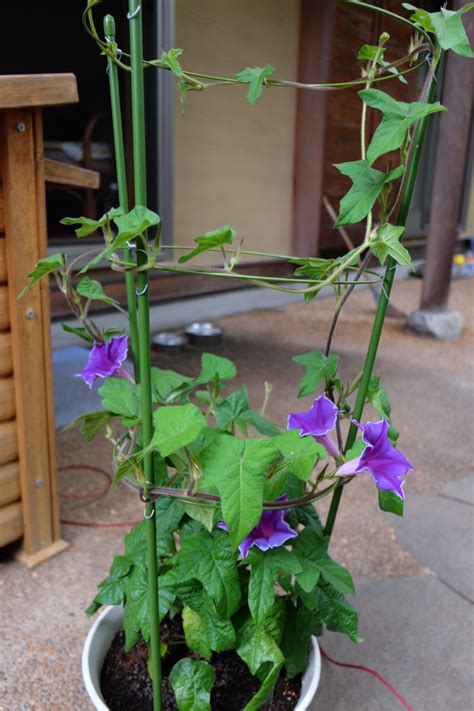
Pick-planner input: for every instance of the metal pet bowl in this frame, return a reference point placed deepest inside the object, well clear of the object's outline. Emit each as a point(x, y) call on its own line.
point(203, 334)
point(169, 341)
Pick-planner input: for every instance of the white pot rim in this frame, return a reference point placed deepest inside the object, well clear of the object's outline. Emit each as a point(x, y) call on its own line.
point(110, 621)
point(96, 646)
point(311, 677)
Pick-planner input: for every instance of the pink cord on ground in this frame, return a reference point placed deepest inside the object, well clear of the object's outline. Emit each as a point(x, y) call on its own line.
point(92, 496)
point(99, 524)
point(369, 671)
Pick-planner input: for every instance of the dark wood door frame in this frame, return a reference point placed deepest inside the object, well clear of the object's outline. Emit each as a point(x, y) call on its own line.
point(316, 32)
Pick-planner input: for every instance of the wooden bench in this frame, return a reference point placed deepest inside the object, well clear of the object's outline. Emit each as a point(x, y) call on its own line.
point(28, 493)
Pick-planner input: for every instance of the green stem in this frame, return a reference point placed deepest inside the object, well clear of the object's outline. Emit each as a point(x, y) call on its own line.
point(368, 227)
point(384, 298)
point(89, 26)
point(139, 169)
point(267, 391)
point(286, 257)
point(363, 128)
point(340, 306)
point(264, 281)
point(109, 31)
point(212, 500)
point(394, 16)
point(370, 78)
point(335, 86)
point(229, 249)
point(331, 279)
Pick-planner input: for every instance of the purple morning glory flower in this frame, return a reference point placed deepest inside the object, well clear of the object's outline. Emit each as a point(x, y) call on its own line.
point(105, 359)
point(386, 465)
point(317, 421)
point(271, 531)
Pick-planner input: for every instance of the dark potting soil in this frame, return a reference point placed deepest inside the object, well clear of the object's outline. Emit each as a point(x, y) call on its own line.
point(126, 685)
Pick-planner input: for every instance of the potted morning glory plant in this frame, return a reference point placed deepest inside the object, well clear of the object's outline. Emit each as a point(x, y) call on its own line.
point(222, 589)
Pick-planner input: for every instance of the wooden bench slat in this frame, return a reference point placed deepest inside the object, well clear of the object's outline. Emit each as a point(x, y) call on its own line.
point(7, 399)
point(8, 441)
point(9, 483)
point(67, 174)
point(6, 362)
point(4, 310)
point(11, 523)
point(3, 259)
point(25, 90)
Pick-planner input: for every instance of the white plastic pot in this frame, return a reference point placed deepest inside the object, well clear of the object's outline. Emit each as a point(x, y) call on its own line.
point(98, 642)
point(110, 621)
point(310, 681)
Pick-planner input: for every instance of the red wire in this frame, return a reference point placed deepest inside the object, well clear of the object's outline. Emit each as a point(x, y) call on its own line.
point(92, 496)
point(369, 671)
point(99, 524)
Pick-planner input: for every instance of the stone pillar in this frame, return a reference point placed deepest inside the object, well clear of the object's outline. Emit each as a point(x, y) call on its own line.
point(434, 317)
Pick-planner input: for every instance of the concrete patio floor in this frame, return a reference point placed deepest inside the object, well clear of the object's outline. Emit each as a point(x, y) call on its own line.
point(415, 576)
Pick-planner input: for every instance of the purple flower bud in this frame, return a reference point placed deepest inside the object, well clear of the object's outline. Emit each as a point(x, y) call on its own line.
point(105, 359)
point(386, 465)
point(271, 531)
point(317, 421)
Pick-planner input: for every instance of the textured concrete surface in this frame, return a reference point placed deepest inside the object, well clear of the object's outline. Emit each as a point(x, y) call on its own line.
point(460, 490)
point(71, 398)
point(440, 532)
point(415, 627)
point(418, 635)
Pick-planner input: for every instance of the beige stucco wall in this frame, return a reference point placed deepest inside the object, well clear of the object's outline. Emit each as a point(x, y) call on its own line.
point(234, 163)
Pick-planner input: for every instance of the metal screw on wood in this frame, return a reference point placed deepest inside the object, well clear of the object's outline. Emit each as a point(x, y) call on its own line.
point(21, 127)
point(30, 313)
point(39, 483)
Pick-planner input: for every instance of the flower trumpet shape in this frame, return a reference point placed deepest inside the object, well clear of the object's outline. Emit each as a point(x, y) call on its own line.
point(386, 465)
point(271, 531)
point(317, 421)
point(105, 359)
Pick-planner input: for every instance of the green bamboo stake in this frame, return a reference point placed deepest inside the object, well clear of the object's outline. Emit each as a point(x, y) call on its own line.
point(382, 304)
point(139, 170)
point(109, 31)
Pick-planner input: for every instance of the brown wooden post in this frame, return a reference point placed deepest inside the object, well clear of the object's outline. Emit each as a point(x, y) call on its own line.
point(316, 30)
point(27, 429)
point(449, 172)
